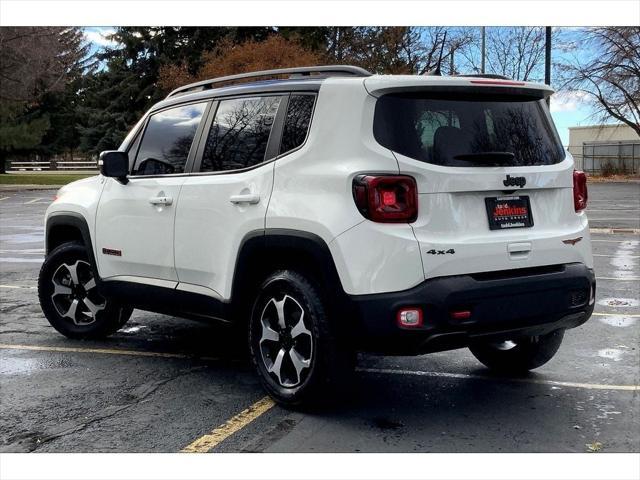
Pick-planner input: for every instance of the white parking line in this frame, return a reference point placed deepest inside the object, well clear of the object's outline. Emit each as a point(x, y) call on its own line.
point(467, 376)
point(625, 279)
point(617, 314)
point(4, 198)
point(34, 200)
point(35, 251)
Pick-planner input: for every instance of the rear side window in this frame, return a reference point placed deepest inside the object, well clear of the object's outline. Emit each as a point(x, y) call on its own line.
point(297, 121)
point(167, 140)
point(239, 133)
point(468, 130)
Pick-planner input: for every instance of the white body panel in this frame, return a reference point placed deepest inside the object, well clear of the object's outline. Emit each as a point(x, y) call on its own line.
point(80, 197)
point(210, 228)
point(193, 244)
point(142, 231)
point(452, 215)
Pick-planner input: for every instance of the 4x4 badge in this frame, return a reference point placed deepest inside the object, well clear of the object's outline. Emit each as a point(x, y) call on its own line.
point(514, 181)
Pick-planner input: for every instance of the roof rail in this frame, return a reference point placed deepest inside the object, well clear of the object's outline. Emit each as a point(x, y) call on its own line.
point(328, 70)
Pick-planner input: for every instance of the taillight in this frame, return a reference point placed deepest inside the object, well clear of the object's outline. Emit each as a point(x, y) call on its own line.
point(386, 198)
point(580, 194)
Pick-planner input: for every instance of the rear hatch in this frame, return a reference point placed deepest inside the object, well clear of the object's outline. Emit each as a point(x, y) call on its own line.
point(495, 184)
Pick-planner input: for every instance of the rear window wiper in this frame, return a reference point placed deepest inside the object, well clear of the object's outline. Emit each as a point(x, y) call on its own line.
point(486, 156)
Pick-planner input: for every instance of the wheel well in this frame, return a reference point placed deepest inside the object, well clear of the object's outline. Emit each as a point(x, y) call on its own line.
point(59, 234)
point(305, 253)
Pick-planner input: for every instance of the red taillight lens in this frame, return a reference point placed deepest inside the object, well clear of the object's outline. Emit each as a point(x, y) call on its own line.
point(386, 198)
point(580, 194)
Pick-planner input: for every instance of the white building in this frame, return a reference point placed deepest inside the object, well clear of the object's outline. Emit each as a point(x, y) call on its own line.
point(616, 147)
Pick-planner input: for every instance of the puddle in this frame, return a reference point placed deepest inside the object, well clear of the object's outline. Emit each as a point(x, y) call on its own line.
point(20, 260)
point(619, 302)
point(624, 261)
point(23, 238)
point(611, 353)
point(21, 366)
point(618, 320)
point(134, 329)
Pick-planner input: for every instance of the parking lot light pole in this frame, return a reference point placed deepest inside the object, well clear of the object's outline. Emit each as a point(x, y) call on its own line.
point(482, 49)
point(547, 59)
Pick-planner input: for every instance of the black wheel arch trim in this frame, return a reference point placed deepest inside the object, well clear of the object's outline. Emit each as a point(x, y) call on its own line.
point(77, 221)
point(291, 240)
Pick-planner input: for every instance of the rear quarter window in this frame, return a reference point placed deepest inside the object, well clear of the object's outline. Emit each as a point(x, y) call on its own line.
point(468, 130)
point(297, 121)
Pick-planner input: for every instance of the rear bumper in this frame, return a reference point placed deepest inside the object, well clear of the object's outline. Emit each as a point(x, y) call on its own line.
point(503, 305)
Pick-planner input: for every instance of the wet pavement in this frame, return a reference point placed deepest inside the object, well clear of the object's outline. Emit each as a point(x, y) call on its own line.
point(161, 382)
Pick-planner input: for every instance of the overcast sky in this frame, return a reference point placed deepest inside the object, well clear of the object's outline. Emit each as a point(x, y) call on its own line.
point(567, 108)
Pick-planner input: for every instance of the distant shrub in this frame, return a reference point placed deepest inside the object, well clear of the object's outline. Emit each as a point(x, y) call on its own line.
point(609, 169)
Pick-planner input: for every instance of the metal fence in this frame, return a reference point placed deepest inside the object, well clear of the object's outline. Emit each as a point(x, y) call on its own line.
point(608, 157)
point(55, 163)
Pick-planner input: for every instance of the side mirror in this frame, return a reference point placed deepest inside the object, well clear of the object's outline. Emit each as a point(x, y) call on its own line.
point(113, 163)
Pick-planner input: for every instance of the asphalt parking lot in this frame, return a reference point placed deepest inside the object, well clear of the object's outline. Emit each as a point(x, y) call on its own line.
point(163, 384)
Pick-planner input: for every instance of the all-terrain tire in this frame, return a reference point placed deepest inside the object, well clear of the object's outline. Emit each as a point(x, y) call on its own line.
point(520, 355)
point(69, 296)
point(298, 363)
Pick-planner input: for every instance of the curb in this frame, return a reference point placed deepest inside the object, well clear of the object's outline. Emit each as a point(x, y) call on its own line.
point(633, 231)
point(24, 188)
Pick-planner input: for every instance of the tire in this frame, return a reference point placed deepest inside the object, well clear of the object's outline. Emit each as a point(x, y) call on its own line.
point(66, 279)
point(520, 355)
point(299, 356)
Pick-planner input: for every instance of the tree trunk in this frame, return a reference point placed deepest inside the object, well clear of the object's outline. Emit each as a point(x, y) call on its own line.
point(3, 160)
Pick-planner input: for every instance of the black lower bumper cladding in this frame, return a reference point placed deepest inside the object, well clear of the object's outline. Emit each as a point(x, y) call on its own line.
point(502, 305)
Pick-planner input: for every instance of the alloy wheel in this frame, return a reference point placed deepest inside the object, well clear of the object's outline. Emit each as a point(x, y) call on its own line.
point(75, 294)
point(286, 343)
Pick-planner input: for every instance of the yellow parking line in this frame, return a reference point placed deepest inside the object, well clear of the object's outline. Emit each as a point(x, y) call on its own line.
point(108, 351)
point(209, 441)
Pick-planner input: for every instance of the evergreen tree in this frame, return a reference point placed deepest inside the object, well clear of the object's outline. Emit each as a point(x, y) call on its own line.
point(123, 83)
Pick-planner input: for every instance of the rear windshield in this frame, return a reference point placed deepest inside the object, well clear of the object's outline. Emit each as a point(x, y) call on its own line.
point(468, 130)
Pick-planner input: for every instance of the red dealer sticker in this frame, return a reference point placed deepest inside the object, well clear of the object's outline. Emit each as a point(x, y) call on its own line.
point(508, 212)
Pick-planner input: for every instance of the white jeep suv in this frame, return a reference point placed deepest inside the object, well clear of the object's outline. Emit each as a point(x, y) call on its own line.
point(333, 211)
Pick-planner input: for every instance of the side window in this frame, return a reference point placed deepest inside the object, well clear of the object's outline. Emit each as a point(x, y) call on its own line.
point(297, 121)
point(239, 133)
point(167, 140)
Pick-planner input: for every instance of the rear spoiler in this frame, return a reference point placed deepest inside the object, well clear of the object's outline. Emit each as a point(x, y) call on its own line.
point(378, 85)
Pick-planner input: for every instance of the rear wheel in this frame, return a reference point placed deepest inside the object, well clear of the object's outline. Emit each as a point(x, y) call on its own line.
point(70, 299)
point(519, 355)
point(295, 349)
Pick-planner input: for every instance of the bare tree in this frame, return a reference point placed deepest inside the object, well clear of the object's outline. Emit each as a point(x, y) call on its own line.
point(35, 60)
point(611, 74)
point(516, 52)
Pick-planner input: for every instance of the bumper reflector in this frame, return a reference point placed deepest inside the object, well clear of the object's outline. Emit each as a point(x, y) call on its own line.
point(461, 314)
point(410, 317)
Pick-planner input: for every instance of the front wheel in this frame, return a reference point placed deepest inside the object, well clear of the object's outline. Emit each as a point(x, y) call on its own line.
point(70, 299)
point(296, 350)
point(518, 355)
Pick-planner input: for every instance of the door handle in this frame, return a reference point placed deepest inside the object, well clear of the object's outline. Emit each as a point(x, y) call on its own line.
point(161, 200)
point(250, 198)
